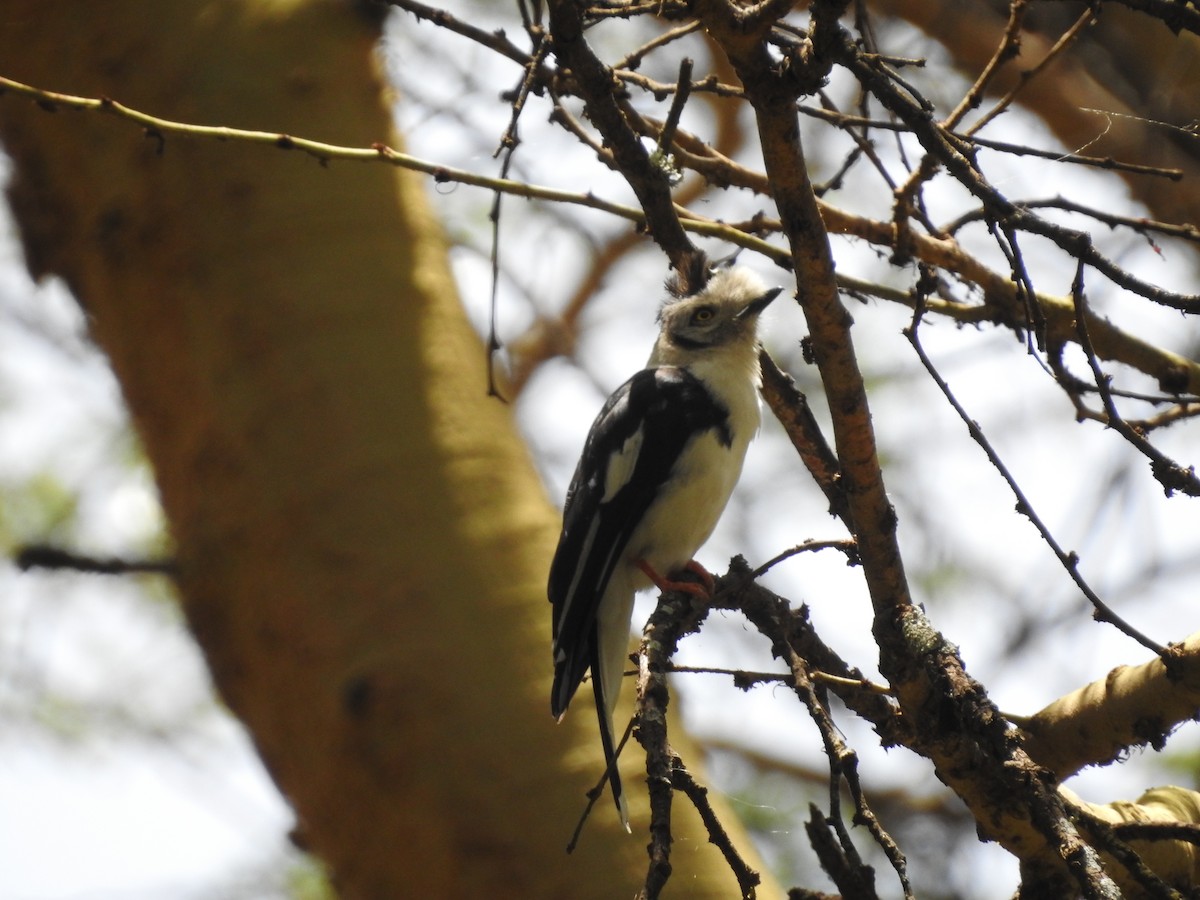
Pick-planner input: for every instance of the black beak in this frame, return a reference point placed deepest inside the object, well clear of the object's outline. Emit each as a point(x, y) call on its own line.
point(758, 304)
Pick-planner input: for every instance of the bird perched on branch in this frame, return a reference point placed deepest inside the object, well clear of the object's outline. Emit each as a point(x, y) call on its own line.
point(656, 472)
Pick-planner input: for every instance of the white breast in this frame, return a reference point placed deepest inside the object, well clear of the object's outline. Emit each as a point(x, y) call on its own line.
point(689, 505)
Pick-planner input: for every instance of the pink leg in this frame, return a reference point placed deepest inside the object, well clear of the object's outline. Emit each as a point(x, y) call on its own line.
point(703, 574)
point(703, 591)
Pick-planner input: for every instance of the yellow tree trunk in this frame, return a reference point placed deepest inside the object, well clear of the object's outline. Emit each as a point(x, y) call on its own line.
point(362, 539)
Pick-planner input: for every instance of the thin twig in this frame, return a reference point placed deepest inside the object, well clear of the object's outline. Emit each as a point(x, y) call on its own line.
point(598, 789)
point(852, 881)
point(1158, 831)
point(493, 40)
point(634, 58)
point(791, 408)
point(1008, 48)
point(1184, 231)
point(745, 680)
point(629, 10)
point(747, 878)
point(1098, 162)
point(954, 155)
point(848, 547)
point(1172, 476)
point(43, 556)
point(1064, 41)
point(1006, 240)
point(1070, 561)
point(508, 147)
point(595, 83)
point(842, 767)
point(667, 136)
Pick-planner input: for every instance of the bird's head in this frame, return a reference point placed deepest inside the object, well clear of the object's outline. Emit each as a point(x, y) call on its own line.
point(723, 313)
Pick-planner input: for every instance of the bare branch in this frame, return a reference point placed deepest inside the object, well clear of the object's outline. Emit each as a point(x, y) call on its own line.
point(1172, 476)
point(597, 85)
point(1100, 721)
point(42, 556)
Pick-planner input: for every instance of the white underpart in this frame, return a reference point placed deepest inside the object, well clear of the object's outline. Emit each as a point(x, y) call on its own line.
point(704, 477)
point(688, 506)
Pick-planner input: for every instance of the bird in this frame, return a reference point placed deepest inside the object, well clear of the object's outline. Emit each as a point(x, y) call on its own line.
point(657, 469)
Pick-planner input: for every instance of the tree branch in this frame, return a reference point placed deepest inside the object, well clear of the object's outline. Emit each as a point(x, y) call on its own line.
point(600, 90)
point(1130, 707)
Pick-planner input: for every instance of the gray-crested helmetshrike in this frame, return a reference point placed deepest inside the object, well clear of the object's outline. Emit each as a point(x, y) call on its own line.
point(657, 469)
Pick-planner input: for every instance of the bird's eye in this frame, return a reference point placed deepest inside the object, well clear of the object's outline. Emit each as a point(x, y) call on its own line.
point(702, 315)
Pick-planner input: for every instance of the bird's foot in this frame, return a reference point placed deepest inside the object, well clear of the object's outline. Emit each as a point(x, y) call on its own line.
point(703, 590)
point(705, 576)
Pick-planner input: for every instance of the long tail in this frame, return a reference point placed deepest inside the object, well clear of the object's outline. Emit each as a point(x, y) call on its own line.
point(606, 690)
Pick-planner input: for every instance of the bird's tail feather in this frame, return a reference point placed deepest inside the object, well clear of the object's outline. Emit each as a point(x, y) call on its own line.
point(609, 653)
point(604, 712)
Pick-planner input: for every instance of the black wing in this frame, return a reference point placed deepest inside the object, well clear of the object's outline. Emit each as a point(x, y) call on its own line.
point(670, 406)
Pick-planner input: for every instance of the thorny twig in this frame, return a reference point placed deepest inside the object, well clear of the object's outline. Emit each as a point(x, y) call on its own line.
point(1182, 374)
